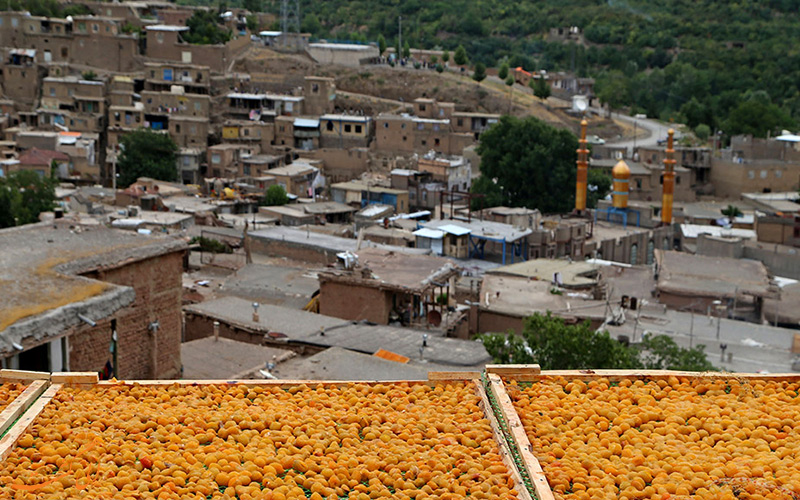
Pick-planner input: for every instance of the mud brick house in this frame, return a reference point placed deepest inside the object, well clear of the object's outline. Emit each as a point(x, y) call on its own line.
point(79, 298)
point(386, 285)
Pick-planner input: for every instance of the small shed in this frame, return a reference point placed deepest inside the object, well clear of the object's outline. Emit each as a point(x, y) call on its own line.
point(430, 238)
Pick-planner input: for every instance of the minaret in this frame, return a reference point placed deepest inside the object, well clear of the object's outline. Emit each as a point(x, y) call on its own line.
point(621, 174)
point(583, 165)
point(669, 180)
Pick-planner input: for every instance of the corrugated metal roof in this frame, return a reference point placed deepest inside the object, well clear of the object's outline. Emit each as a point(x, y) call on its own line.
point(429, 233)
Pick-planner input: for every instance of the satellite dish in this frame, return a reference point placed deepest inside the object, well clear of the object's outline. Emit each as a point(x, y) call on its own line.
point(581, 104)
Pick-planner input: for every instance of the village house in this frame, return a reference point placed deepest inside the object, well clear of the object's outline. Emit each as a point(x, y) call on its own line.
point(345, 131)
point(42, 162)
point(647, 179)
point(224, 160)
point(296, 178)
point(111, 298)
point(387, 286)
point(360, 194)
point(73, 103)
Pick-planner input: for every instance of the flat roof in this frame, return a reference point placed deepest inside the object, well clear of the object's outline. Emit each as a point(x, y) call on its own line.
point(701, 276)
point(292, 169)
point(272, 97)
point(346, 118)
point(303, 328)
point(340, 46)
point(454, 229)
point(326, 207)
point(433, 234)
point(521, 297)
point(324, 242)
point(695, 230)
point(306, 122)
point(400, 271)
point(360, 186)
point(572, 273)
point(40, 266)
point(166, 27)
point(489, 230)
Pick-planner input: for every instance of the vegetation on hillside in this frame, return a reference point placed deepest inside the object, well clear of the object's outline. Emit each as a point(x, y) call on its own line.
point(23, 196)
point(710, 62)
point(555, 345)
point(147, 154)
point(204, 29)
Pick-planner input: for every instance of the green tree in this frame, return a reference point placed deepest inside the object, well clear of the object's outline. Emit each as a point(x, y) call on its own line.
point(252, 24)
point(275, 195)
point(89, 75)
point(662, 353)
point(554, 345)
point(480, 72)
point(502, 73)
point(757, 118)
point(540, 88)
point(310, 24)
point(433, 59)
point(439, 68)
point(381, 44)
point(23, 196)
point(612, 89)
point(598, 186)
point(406, 50)
point(702, 131)
point(253, 5)
point(446, 56)
point(533, 162)
point(147, 154)
point(205, 30)
point(731, 211)
point(492, 193)
point(460, 56)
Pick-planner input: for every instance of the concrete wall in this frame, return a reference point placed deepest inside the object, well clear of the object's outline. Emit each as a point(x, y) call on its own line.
point(332, 55)
point(779, 261)
point(481, 321)
point(294, 251)
point(731, 179)
point(719, 247)
point(354, 302)
point(158, 286)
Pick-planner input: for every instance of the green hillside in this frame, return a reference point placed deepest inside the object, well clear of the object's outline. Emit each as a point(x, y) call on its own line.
point(734, 66)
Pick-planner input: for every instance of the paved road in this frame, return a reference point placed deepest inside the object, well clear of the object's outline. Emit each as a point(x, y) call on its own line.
point(656, 131)
point(754, 347)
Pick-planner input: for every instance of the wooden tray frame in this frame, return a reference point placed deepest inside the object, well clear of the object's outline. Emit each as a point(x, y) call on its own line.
point(90, 379)
point(533, 372)
point(37, 383)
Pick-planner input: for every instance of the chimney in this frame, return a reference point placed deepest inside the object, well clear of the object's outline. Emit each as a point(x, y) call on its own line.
point(583, 165)
point(669, 180)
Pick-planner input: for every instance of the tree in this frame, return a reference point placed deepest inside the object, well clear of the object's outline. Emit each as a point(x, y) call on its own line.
point(398, 50)
point(204, 29)
point(731, 211)
point(406, 50)
point(439, 68)
point(310, 24)
point(253, 5)
point(480, 72)
point(433, 59)
point(757, 118)
point(147, 154)
point(275, 195)
point(502, 73)
point(381, 44)
point(554, 345)
point(540, 88)
point(533, 162)
point(598, 186)
point(492, 194)
point(252, 24)
point(23, 196)
point(702, 132)
point(460, 57)
point(89, 75)
point(662, 353)
point(446, 56)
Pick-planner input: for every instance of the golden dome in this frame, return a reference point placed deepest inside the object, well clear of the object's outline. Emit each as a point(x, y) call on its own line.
point(621, 171)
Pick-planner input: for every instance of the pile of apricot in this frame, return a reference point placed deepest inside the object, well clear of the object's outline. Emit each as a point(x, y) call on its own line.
point(681, 438)
point(357, 441)
point(9, 392)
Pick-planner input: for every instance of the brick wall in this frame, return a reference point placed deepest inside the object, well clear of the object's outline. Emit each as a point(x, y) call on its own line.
point(353, 302)
point(157, 282)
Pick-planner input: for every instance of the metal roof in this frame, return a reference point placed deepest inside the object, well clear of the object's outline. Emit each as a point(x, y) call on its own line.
point(429, 233)
point(453, 229)
point(306, 122)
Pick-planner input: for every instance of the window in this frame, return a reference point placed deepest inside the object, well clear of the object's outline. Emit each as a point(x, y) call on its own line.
point(193, 129)
point(348, 128)
point(751, 174)
point(385, 124)
point(420, 126)
point(763, 174)
point(436, 127)
point(186, 161)
point(14, 22)
point(638, 184)
point(402, 125)
point(404, 138)
point(424, 142)
point(116, 116)
point(215, 158)
point(778, 174)
point(436, 141)
point(70, 92)
point(152, 74)
point(358, 129)
point(329, 126)
point(246, 169)
point(246, 132)
point(651, 246)
point(677, 179)
point(665, 244)
point(314, 88)
point(95, 28)
point(64, 52)
point(107, 29)
point(198, 106)
point(422, 107)
point(460, 122)
point(52, 91)
point(167, 75)
point(177, 128)
point(634, 254)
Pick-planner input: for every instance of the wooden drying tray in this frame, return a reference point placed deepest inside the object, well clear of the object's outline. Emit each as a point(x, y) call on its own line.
point(37, 383)
point(531, 373)
point(90, 379)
